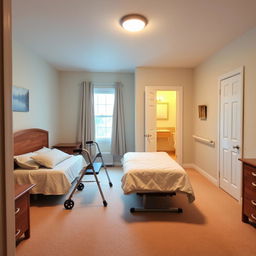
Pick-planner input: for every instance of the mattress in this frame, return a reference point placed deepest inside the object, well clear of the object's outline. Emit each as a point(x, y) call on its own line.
point(56, 181)
point(154, 172)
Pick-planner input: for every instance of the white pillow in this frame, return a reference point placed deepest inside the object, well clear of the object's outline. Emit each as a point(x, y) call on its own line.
point(42, 150)
point(26, 162)
point(50, 158)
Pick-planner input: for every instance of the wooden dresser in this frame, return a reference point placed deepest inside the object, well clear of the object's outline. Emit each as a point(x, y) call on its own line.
point(68, 147)
point(22, 204)
point(249, 191)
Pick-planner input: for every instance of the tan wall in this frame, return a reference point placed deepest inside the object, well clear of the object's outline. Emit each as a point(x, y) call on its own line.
point(241, 52)
point(33, 73)
point(70, 88)
point(164, 77)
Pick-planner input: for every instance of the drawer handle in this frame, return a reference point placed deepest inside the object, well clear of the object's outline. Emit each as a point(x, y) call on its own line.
point(253, 216)
point(17, 211)
point(254, 184)
point(17, 232)
point(254, 174)
point(253, 202)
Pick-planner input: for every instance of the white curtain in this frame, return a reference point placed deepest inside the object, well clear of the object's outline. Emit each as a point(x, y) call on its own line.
point(87, 125)
point(118, 144)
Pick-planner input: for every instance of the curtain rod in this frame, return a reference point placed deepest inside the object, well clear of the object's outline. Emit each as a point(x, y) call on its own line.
point(114, 84)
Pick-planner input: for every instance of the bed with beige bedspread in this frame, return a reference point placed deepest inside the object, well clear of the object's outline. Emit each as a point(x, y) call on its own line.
point(51, 181)
point(154, 172)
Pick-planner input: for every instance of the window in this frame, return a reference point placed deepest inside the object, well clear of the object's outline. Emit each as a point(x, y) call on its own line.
point(103, 109)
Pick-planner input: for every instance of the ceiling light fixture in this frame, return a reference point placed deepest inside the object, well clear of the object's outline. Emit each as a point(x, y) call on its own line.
point(133, 22)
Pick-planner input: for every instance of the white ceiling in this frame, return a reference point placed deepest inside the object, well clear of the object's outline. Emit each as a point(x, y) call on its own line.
point(86, 35)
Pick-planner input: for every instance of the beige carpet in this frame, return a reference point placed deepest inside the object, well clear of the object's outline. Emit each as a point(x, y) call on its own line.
point(210, 226)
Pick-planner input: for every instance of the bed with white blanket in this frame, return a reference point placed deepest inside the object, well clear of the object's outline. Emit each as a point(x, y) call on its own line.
point(55, 180)
point(154, 172)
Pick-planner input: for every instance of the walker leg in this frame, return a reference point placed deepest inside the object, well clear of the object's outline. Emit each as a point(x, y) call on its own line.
point(98, 184)
point(77, 184)
point(109, 181)
point(105, 168)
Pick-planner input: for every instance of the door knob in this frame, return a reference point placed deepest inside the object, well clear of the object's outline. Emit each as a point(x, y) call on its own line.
point(236, 147)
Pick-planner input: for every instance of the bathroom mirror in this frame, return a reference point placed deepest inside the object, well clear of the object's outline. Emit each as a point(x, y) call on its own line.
point(162, 111)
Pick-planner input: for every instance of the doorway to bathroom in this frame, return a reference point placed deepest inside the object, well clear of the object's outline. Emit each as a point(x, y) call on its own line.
point(166, 122)
point(163, 120)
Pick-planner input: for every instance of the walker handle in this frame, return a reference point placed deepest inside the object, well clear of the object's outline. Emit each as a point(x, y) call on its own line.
point(89, 142)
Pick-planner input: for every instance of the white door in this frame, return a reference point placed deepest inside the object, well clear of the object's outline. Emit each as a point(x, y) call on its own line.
point(231, 113)
point(150, 119)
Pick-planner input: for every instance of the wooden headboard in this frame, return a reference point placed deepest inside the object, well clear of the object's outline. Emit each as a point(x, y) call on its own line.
point(29, 140)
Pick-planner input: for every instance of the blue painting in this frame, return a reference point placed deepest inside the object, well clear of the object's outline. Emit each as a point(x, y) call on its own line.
point(20, 99)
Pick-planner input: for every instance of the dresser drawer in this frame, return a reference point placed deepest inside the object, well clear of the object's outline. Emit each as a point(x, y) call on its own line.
point(249, 172)
point(249, 179)
point(21, 223)
point(249, 209)
point(21, 205)
point(249, 184)
point(250, 192)
point(21, 215)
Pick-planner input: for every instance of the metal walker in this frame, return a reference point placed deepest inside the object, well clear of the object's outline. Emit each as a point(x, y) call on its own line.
point(93, 168)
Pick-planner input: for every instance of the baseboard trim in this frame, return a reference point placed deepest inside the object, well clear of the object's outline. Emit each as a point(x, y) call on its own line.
point(203, 172)
point(117, 164)
point(188, 165)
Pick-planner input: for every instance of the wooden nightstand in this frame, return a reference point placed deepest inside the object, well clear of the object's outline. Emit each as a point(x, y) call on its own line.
point(22, 204)
point(68, 147)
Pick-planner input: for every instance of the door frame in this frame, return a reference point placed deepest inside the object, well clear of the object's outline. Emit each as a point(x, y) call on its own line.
point(179, 116)
point(7, 218)
point(238, 71)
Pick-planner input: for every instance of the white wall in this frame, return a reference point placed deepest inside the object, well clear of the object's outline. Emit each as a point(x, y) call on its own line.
point(241, 52)
point(70, 88)
point(164, 77)
point(32, 72)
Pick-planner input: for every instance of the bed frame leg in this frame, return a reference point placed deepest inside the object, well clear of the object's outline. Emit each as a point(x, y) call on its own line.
point(173, 210)
point(146, 209)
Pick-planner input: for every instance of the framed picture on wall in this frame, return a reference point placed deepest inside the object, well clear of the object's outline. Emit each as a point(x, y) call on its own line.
point(162, 111)
point(20, 99)
point(202, 111)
